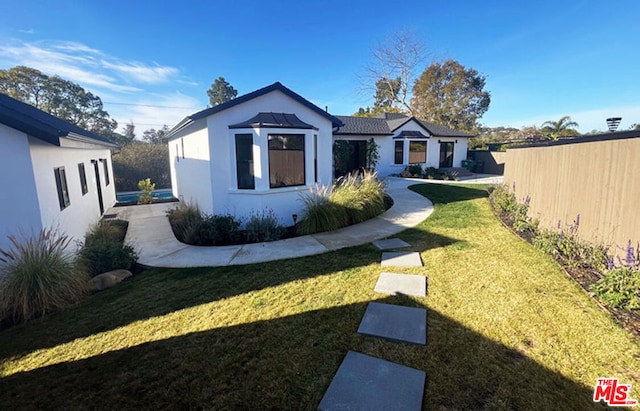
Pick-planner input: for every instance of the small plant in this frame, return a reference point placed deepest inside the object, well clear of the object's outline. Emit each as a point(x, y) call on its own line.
point(38, 276)
point(504, 201)
point(619, 287)
point(263, 226)
point(431, 173)
point(185, 221)
point(412, 170)
point(218, 229)
point(147, 187)
point(104, 248)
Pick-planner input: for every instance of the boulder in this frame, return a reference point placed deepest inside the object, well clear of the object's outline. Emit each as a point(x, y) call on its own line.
point(107, 280)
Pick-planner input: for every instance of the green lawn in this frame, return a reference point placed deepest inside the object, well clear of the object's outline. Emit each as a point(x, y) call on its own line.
point(506, 329)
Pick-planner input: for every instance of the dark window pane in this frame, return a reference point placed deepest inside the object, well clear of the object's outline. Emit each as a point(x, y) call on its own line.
point(61, 186)
point(106, 171)
point(83, 179)
point(244, 161)
point(399, 152)
point(417, 152)
point(286, 160)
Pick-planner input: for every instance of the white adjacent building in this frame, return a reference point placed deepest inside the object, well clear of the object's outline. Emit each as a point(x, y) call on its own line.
point(52, 173)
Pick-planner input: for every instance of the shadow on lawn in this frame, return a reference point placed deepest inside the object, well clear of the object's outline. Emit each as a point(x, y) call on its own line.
point(288, 363)
point(161, 291)
point(448, 193)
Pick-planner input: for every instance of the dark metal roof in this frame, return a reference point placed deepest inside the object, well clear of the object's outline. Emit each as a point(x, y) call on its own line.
point(254, 94)
point(363, 126)
point(410, 134)
point(35, 122)
point(274, 120)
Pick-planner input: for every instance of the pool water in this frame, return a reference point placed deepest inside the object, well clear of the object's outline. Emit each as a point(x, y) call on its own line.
point(132, 196)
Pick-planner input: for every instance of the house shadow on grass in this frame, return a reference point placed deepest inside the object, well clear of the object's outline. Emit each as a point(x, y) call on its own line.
point(448, 193)
point(159, 292)
point(288, 363)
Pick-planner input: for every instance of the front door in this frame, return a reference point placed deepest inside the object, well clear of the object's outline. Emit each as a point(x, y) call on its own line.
point(446, 154)
point(97, 172)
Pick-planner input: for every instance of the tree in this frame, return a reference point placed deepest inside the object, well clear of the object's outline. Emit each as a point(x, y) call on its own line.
point(221, 92)
point(59, 97)
point(139, 161)
point(155, 136)
point(561, 128)
point(450, 95)
point(393, 70)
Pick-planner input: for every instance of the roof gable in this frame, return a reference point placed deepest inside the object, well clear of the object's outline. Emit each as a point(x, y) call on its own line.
point(387, 123)
point(277, 86)
point(274, 120)
point(37, 123)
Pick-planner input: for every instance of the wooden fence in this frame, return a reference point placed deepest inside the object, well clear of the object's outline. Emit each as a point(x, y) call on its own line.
point(596, 179)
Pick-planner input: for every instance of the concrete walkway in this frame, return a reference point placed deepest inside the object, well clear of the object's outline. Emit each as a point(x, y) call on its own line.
point(151, 235)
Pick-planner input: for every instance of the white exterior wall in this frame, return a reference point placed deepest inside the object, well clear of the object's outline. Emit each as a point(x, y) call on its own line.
point(189, 159)
point(83, 210)
point(191, 182)
point(19, 212)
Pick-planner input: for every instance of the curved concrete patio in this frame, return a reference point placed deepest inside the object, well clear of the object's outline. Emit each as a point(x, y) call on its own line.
point(151, 235)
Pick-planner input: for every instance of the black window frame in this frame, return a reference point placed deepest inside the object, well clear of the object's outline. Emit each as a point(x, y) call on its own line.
point(84, 187)
point(242, 179)
point(304, 160)
point(62, 187)
point(105, 167)
point(400, 144)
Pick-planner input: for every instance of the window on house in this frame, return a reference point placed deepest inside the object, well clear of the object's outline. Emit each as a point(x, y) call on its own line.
point(83, 179)
point(399, 152)
point(106, 171)
point(417, 152)
point(61, 185)
point(286, 160)
point(244, 161)
point(182, 143)
point(315, 158)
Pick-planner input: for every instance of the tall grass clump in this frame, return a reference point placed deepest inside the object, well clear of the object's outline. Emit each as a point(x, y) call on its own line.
point(354, 198)
point(263, 226)
point(319, 213)
point(37, 275)
point(104, 248)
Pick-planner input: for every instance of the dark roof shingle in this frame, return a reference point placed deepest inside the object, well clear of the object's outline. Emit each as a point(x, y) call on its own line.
point(35, 122)
point(363, 126)
point(274, 120)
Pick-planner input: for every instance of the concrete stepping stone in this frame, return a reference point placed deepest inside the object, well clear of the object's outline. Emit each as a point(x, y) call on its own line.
point(401, 259)
point(390, 244)
point(407, 284)
point(368, 383)
point(395, 322)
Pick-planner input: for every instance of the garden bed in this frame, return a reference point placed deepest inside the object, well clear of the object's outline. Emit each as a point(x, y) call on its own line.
point(586, 278)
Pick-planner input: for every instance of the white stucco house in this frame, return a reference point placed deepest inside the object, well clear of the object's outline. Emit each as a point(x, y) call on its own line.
point(52, 173)
point(262, 150)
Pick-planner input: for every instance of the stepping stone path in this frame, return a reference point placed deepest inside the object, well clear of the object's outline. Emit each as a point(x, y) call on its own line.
point(396, 323)
point(367, 383)
point(401, 259)
point(407, 284)
point(390, 244)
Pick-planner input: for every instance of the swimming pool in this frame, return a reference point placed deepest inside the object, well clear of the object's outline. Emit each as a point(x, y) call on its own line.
point(132, 196)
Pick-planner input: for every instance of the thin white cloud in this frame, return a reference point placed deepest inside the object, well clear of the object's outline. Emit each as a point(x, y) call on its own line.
point(85, 65)
point(154, 111)
point(141, 72)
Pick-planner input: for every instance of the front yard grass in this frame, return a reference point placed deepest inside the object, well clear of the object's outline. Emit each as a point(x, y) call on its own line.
point(506, 329)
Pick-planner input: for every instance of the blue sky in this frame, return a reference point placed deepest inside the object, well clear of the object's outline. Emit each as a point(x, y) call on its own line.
point(542, 59)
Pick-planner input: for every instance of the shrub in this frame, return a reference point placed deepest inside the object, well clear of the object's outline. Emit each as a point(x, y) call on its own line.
point(37, 276)
point(505, 202)
point(218, 230)
point(147, 187)
point(412, 170)
point(185, 221)
point(104, 248)
point(432, 173)
point(566, 247)
point(263, 226)
point(619, 287)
